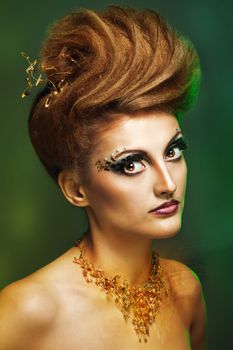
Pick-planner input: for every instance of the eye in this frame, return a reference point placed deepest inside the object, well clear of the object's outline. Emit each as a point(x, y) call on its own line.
point(174, 155)
point(175, 150)
point(130, 165)
point(134, 167)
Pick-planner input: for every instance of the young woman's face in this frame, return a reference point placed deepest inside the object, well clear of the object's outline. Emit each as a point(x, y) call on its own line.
point(123, 190)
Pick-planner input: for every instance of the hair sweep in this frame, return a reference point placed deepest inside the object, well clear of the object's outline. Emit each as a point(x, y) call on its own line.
point(116, 61)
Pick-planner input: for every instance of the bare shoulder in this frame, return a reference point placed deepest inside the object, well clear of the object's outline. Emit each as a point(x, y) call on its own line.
point(183, 281)
point(26, 311)
point(30, 307)
point(188, 296)
point(28, 296)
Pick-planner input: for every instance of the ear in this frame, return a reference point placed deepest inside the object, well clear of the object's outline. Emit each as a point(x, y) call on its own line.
point(72, 189)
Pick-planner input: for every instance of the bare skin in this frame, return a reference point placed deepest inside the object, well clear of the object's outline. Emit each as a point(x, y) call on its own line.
point(55, 308)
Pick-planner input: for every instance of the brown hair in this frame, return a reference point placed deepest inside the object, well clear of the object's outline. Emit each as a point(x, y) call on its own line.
point(113, 62)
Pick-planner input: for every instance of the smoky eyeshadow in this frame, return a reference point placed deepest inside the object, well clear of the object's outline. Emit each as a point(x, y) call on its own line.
point(180, 142)
point(119, 166)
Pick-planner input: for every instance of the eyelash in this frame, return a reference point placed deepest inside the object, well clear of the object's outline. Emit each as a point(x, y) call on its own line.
point(120, 166)
point(123, 163)
point(180, 143)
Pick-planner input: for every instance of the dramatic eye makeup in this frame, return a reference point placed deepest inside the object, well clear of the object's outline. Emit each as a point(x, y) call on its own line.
point(180, 144)
point(135, 162)
point(131, 164)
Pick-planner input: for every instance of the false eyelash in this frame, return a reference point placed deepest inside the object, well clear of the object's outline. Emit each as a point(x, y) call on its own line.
point(121, 164)
point(181, 143)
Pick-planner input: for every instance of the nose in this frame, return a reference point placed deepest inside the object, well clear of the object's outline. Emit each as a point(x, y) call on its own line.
point(164, 184)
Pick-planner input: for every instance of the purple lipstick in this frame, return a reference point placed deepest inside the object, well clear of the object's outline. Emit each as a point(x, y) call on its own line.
point(167, 208)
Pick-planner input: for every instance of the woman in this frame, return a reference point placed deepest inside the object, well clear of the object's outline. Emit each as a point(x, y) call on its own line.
point(107, 129)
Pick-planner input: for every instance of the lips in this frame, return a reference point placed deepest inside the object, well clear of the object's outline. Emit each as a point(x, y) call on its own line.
point(166, 204)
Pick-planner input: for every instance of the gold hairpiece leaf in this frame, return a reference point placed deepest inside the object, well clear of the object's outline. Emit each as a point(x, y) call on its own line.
point(35, 77)
point(31, 78)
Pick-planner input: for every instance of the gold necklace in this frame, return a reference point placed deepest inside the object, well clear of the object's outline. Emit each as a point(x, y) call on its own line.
point(140, 304)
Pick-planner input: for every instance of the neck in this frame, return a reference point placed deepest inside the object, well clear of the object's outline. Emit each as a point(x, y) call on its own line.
point(117, 254)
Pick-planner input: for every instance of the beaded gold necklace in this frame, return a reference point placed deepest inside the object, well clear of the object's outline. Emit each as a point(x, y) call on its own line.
point(139, 304)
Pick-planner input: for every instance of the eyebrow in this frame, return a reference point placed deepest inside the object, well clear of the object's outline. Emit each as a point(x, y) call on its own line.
point(138, 150)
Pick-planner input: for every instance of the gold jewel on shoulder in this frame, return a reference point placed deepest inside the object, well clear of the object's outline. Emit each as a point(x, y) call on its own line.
point(140, 304)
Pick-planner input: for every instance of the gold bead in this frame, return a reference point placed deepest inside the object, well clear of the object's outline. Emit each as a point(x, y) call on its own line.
point(140, 304)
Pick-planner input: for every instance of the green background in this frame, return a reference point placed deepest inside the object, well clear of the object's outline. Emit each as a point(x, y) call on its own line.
point(38, 224)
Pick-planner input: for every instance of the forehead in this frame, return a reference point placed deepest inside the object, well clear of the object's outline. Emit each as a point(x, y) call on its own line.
point(146, 130)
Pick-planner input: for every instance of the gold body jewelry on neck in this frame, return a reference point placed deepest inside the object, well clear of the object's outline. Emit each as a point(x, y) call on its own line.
point(140, 304)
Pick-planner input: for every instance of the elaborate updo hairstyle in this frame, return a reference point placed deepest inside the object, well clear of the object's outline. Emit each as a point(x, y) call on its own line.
point(112, 62)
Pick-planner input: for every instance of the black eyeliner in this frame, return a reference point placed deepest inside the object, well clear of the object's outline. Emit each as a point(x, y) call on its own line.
point(180, 142)
point(119, 165)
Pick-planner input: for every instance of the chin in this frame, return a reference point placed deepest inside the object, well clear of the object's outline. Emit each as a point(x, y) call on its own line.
point(164, 235)
point(166, 229)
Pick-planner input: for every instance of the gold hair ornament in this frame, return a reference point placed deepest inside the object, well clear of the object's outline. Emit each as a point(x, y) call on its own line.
point(34, 80)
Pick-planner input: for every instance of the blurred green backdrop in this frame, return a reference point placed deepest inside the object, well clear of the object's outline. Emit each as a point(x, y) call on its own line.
point(38, 224)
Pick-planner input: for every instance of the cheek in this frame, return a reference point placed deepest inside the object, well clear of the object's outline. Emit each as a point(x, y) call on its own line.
point(180, 175)
point(113, 191)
